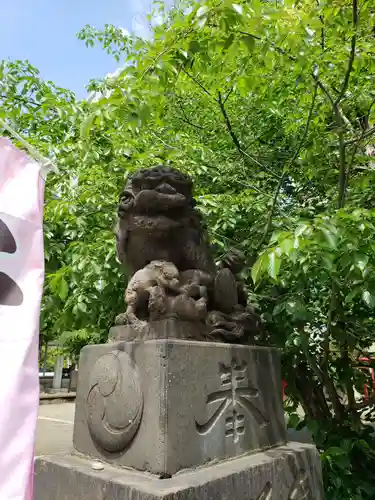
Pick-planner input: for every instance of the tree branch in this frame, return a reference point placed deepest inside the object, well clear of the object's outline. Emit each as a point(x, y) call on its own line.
point(324, 377)
point(235, 139)
point(228, 95)
point(349, 382)
point(363, 136)
point(186, 120)
point(365, 133)
point(329, 326)
point(342, 157)
point(276, 47)
point(243, 183)
point(342, 187)
point(256, 139)
point(229, 125)
point(197, 82)
point(338, 114)
point(340, 131)
point(163, 142)
point(323, 36)
point(352, 53)
point(310, 392)
point(163, 52)
point(286, 168)
point(271, 212)
point(324, 89)
point(199, 127)
point(24, 100)
point(350, 166)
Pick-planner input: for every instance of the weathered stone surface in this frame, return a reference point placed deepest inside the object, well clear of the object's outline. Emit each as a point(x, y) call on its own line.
point(163, 406)
point(162, 241)
point(158, 221)
point(170, 328)
point(114, 404)
point(290, 472)
point(226, 296)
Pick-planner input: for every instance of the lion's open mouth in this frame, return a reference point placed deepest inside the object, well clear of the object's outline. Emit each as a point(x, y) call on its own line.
point(157, 222)
point(153, 202)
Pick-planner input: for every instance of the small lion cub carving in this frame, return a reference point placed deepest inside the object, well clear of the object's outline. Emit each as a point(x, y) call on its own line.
point(148, 282)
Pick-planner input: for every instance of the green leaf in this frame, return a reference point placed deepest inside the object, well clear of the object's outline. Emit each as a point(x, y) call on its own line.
point(287, 246)
point(335, 451)
point(313, 426)
point(293, 420)
point(297, 340)
point(259, 268)
point(368, 298)
point(330, 237)
point(238, 8)
point(87, 125)
point(278, 308)
point(82, 307)
point(249, 41)
point(293, 306)
point(63, 289)
point(361, 262)
point(228, 41)
point(202, 11)
point(274, 262)
point(194, 46)
point(300, 230)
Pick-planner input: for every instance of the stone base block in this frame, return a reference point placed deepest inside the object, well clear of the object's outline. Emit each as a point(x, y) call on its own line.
point(169, 328)
point(166, 405)
point(290, 472)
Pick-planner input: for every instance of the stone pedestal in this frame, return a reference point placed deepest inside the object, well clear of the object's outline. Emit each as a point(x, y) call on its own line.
point(290, 472)
point(167, 405)
point(168, 328)
point(209, 416)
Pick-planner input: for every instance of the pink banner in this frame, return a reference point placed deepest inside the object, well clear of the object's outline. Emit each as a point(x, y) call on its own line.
point(21, 286)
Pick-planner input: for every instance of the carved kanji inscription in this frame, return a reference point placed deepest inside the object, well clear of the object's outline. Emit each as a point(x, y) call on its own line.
point(300, 489)
point(266, 493)
point(237, 399)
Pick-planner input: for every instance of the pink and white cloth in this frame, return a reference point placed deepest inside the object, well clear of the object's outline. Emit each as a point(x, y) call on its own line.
point(21, 286)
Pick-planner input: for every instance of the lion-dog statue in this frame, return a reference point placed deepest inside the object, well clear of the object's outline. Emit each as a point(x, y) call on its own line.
point(163, 245)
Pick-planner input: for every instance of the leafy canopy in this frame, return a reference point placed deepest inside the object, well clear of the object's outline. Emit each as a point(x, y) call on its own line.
point(270, 108)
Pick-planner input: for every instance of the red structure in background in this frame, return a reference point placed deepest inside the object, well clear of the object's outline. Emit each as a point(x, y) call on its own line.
point(366, 392)
point(285, 385)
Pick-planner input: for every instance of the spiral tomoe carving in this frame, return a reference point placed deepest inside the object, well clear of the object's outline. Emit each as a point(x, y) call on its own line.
point(114, 402)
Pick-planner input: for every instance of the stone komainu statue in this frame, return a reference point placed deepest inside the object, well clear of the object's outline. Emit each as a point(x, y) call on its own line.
point(161, 241)
point(158, 221)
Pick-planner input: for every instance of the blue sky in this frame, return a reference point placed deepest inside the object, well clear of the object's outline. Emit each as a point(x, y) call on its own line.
point(44, 32)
